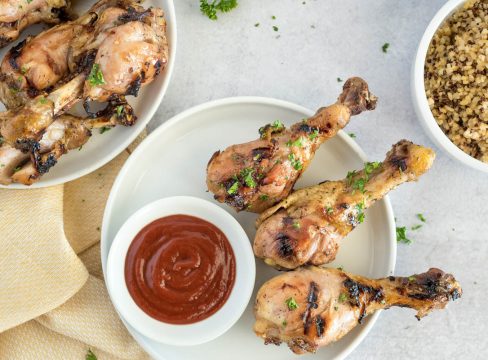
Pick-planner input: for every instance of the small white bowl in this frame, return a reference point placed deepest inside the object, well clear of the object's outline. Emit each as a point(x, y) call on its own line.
point(207, 329)
point(420, 99)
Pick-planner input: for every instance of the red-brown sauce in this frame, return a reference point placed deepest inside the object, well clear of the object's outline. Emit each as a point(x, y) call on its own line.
point(180, 269)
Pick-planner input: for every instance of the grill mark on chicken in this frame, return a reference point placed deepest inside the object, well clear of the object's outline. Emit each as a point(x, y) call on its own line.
point(133, 15)
point(311, 304)
point(320, 325)
point(285, 245)
point(15, 52)
point(367, 294)
point(135, 86)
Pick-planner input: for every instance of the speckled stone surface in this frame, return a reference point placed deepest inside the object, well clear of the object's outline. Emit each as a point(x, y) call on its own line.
point(316, 43)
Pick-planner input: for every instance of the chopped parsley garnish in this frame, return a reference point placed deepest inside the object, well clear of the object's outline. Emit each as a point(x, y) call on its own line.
point(352, 135)
point(350, 175)
point(277, 125)
point(342, 297)
point(273, 17)
point(17, 169)
point(29, 1)
point(341, 268)
point(359, 185)
point(314, 134)
point(119, 110)
point(296, 163)
point(297, 143)
point(360, 209)
point(421, 217)
point(329, 210)
point(385, 47)
point(370, 166)
point(275, 28)
point(401, 235)
point(96, 76)
point(210, 9)
point(284, 323)
point(43, 100)
point(411, 278)
point(291, 303)
point(256, 24)
point(233, 189)
point(416, 227)
point(246, 175)
point(105, 129)
point(90, 355)
point(23, 70)
point(263, 197)
point(296, 225)
point(339, 79)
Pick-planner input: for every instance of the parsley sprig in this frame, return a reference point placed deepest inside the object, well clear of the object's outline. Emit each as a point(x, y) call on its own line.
point(90, 355)
point(210, 8)
point(96, 76)
point(291, 303)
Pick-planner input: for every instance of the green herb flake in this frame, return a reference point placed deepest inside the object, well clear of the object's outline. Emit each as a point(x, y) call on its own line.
point(275, 28)
point(421, 217)
point(314, 134)
point(336, 308)
point(256, 25)
point(352, 135)
point(104, 129)
point(96, 76)
point(263, 197)
point(401, 235)
point(246, 175)
point(360, 209)
point(233, 189)
point(277, 125)
point(342, 297)
point(23, 70)
point(329, 210)
point(350, 176)
point(210, 9)
point(339, 79)
point(2, 140)
point(296, 225)
point(296, 163)
point(385, 47)
point(297, 143)
point(411, 278)
point(119, 110)
point(341, 268)
point(17, 169)
point(43, 100)
point(273, 17)
point(416, 227)
point(284, 323)
point(291, 303)
point(90, 355)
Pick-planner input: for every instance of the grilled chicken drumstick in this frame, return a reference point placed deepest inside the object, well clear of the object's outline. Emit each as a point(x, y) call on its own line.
point(16, 15)
point(312, 307)
point(255, 175)
point(306, 227)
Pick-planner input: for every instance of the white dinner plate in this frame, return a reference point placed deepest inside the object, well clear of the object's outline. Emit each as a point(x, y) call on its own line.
point(102, 148)
point(172, 161)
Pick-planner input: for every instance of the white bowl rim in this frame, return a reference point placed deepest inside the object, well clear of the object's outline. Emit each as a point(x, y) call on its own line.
point(419, 97)
point(201, 331)
point(98, 163)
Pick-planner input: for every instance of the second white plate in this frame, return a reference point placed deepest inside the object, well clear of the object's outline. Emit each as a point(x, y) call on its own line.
point(172, 161)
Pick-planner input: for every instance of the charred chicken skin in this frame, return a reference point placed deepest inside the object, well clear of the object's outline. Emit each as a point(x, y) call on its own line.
point(312, 307)
point(255, 175)
point(306, 227)
point(16, 15)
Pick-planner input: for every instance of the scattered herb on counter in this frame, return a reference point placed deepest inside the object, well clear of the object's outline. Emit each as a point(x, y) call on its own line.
point(291, 303)
point(416, 227)
point(275, 28)
point(81, 147)
point(96, 76)
point(401, 235)
point(385, 47)
point(352, 135)
point(105, 129)
point(256, 25)
point(273, 17)
point(210, 9)
point(421, 217)
point(233, 189)
point(90, 355)
point(339, 79)
point(342, 297)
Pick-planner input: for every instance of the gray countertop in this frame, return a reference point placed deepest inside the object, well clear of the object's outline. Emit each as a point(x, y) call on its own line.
point(316, 43)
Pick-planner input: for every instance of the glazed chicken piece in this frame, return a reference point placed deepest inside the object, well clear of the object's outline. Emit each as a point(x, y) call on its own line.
point(16, 15)
point(312, 307)
point(306, 227)
point(66, 133)
point(255, 175)
point(103, 66)
point(118, 44)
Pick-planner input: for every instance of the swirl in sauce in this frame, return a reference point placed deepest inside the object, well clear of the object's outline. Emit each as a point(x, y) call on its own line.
point(180, 269)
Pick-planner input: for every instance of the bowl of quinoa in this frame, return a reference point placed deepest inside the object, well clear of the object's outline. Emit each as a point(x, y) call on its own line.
point(450, 81)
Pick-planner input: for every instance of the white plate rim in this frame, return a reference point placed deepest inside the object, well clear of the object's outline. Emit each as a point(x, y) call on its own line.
point(236, 101)
point(170, 17)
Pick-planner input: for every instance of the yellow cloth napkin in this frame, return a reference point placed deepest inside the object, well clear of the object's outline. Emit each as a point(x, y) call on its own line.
point(53, 300)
